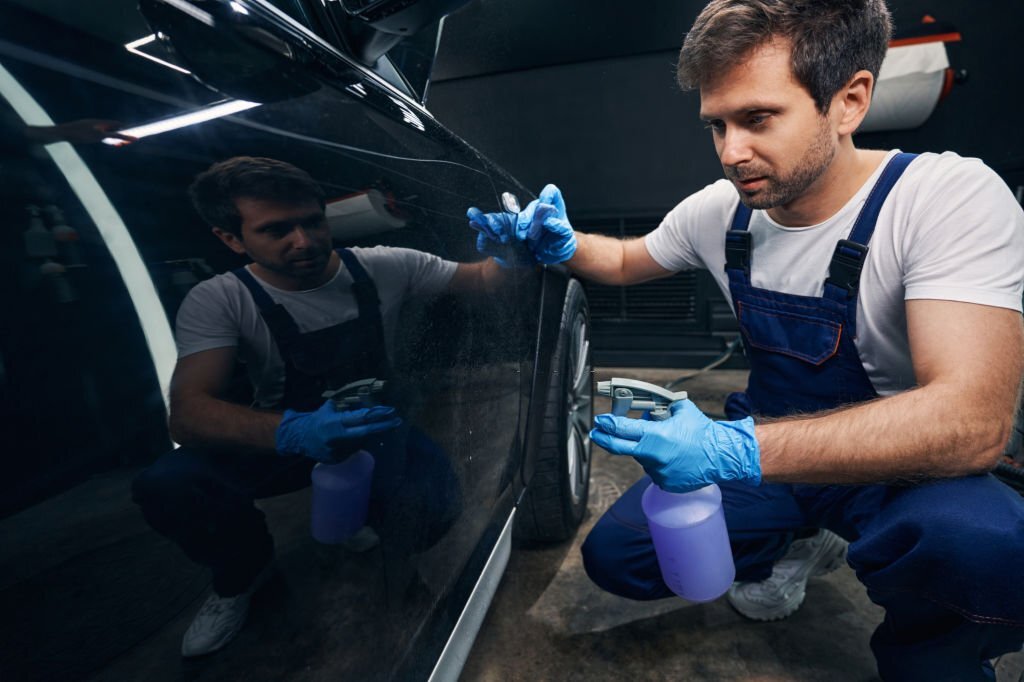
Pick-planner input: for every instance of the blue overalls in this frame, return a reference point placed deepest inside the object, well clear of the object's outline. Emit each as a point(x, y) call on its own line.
point(943, 558)
point(203, 498)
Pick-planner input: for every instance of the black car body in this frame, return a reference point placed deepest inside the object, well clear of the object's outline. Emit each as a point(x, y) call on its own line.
point(101, 247)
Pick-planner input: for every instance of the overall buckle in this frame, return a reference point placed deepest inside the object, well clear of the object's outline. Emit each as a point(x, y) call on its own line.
point(847, 262)
point(737, 250)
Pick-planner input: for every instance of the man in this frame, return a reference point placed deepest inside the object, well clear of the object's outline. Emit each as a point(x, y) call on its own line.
point(879, 297)
point(305, 319)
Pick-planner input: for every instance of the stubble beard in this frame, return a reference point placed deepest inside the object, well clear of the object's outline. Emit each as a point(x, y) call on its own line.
point(780, 190)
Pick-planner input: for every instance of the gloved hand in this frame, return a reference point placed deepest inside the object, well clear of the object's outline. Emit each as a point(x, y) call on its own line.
point(686, 451)
point(544, 225)
point(327, 433)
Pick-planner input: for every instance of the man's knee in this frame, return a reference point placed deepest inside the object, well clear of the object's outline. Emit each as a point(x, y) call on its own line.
point(600, 563)
point(621, 560)
point(168, 488)
point(159, 494)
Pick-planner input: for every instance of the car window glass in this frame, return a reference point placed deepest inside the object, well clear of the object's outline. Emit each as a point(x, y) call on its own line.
point(414, 58)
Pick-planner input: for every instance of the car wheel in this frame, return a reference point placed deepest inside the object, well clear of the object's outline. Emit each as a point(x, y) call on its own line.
point(556, 498)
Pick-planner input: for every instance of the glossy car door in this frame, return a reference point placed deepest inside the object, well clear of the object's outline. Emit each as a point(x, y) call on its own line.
point(102, 245)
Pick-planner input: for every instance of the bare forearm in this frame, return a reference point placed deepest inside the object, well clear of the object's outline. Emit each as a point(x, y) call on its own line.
point(603, 259)
point(930, 432)
point(482, 277)
point(208, 422)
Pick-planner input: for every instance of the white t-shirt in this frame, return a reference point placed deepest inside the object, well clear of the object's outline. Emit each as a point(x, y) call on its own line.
point(950, 229)
point(220, 312)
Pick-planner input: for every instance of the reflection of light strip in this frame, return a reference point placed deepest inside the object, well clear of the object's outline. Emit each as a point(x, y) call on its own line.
point(112, 229)
point(207, 113)
point(191, 10)
point(407, 115)
point(134, 46)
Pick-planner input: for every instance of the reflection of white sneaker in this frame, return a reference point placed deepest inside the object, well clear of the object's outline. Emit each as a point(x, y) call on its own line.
point(364, 540)
point(220, 619)
point(783, 592)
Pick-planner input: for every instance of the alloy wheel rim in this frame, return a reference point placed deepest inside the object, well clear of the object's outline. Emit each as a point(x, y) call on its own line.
point(581, 411)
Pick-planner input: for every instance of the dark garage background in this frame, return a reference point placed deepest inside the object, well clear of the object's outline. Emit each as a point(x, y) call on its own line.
point(583, 94)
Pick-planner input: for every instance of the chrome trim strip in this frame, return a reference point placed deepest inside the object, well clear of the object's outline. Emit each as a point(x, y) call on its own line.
point(456, 651)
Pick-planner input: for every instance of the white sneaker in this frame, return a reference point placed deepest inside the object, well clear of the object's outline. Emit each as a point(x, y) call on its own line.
point(783, 592)
point(220, 618)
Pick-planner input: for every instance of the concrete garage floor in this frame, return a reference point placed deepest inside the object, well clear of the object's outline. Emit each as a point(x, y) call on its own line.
point(548, 622)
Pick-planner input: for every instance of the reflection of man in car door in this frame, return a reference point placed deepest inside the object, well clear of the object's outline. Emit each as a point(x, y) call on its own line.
point(305, 319)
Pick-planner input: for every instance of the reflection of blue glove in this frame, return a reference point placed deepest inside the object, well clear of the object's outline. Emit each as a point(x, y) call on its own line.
point(686, 451)
point(324, 434)
point(544, 225)
point(496, 234)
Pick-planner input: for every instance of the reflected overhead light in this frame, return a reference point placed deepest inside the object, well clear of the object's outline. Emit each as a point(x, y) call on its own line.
point(207, 113)
point(238, 8)
point(408, 115)
point(112, 230)
point(134, 46)
point(191, 10)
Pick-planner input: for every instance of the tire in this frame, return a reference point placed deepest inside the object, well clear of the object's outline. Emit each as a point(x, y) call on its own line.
point(556, 498)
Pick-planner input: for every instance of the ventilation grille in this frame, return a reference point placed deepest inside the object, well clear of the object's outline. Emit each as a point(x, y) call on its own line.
point(671, 298)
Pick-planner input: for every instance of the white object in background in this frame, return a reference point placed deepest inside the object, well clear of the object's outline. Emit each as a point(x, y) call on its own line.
point(909, 86)
point(360, 215)
point(65, 236)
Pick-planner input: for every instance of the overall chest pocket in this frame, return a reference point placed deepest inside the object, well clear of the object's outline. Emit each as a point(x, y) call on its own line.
point(805, 337)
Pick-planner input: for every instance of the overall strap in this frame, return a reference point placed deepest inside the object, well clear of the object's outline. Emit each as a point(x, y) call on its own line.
point(282, 325)
point(848, 258)
point(363, 287)
point(737, 241)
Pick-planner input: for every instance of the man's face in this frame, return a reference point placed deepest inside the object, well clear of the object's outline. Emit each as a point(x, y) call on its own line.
point(291, 241)
point(772, 141)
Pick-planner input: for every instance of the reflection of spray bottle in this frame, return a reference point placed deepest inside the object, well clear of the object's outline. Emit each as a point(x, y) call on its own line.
point(41, 246)
point(65, 236)
point(341, 497)
point(341, 491)
point(39, 242)
point(688, 529)
point(55, 276)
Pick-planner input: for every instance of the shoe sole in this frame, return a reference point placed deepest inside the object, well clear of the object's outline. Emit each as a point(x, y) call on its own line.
point(788, 608)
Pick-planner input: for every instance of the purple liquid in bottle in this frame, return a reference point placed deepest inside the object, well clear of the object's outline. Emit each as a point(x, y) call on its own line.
point(341, 497)
point(690, 539)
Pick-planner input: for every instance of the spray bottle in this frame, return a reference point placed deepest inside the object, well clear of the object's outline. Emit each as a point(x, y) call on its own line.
point(687, 529)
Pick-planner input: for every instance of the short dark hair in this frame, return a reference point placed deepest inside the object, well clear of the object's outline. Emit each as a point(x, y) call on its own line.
point(831, 40)
point(214, 191)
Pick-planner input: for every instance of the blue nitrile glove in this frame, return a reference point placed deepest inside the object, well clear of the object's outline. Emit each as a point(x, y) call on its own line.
point(496, 232)
point(327, 433)
point(544, 225)
point(686, 451)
